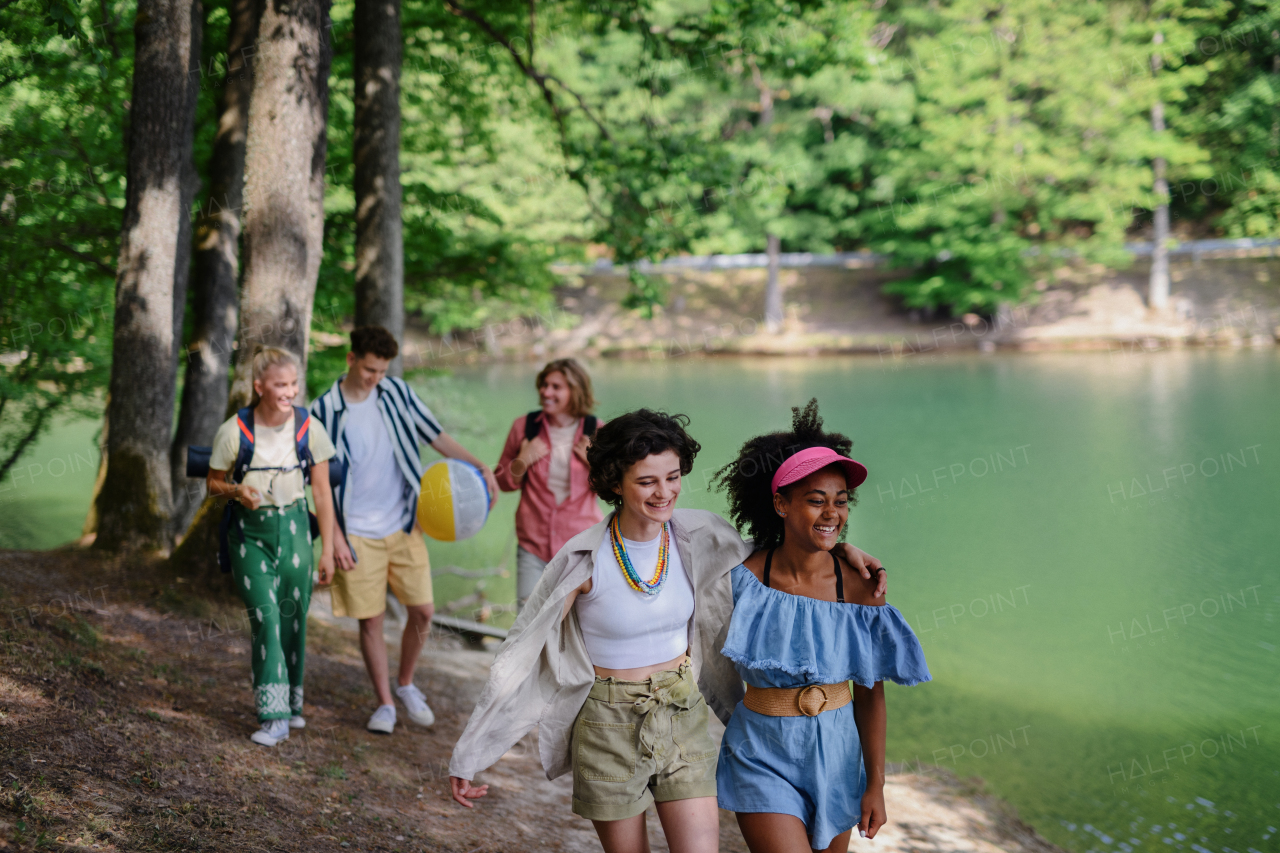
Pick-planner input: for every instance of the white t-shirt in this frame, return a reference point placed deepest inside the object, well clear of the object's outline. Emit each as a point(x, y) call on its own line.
point(273, 447)
point(375, 502)
point(558, 465)
point(626, 629)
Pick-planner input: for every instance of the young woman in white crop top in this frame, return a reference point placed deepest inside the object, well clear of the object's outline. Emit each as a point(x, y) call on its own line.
point(641, 735)
point(624, 629)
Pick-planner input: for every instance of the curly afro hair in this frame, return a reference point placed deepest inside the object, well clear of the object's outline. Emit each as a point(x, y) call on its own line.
point(748, 479)
point(626, 439)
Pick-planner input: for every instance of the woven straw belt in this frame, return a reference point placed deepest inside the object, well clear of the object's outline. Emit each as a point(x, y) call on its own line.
point(809, 701)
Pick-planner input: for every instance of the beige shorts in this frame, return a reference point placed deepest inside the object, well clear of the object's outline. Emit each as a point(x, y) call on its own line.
point(399, 561)
point(635, 742)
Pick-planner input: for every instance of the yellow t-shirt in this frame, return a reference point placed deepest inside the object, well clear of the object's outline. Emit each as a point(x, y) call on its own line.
point(273, 447)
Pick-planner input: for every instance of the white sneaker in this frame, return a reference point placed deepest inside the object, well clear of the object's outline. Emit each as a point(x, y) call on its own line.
point(297, 721)
point(383, 720)
point(416, 704)
point(271, 733)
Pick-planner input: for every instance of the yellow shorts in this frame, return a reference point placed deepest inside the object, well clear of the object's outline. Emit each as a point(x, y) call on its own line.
point(399, 561)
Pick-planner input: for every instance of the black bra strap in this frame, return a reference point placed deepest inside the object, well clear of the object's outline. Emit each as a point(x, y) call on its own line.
point(839, 579)
point(768, 563)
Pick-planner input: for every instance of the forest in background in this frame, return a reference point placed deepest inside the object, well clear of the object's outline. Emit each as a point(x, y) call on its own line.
point(971, 141)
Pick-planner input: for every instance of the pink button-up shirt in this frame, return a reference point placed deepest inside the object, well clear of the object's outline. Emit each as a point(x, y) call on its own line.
point(542, 527)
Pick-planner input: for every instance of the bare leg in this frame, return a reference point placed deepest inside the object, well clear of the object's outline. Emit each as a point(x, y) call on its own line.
point(840, 843)
point(783, 833)
point(691, 826)
point(623, 836)
point(374, 649)
point(416, 628)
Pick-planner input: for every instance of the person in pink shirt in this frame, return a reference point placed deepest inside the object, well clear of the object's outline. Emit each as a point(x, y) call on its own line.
point(545, 458)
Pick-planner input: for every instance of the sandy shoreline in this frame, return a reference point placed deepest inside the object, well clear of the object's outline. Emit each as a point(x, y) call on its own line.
point(1225, 303)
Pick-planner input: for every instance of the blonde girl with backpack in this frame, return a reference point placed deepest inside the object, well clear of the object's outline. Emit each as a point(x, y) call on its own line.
point(261, 459)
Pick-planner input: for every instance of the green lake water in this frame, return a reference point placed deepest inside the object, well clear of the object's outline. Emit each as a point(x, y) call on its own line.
point(1086, 545)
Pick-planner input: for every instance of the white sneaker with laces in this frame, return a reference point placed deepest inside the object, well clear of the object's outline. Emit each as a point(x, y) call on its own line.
point(383, 720)
point(297, 721)
point(416, 704)
point(271, 733)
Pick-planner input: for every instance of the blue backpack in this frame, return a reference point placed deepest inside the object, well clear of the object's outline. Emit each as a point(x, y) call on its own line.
point(198, 466)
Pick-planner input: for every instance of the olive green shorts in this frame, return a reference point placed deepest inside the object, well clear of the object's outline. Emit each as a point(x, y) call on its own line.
point(636, 742)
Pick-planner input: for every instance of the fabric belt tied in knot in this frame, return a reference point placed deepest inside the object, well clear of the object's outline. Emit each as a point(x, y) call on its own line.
point(678, 692)
point(647, 702)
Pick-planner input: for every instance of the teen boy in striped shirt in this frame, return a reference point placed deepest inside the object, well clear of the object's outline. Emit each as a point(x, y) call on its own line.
point(378, 424)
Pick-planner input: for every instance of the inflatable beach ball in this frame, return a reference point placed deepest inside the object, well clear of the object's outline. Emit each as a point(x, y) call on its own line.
point(454, 502)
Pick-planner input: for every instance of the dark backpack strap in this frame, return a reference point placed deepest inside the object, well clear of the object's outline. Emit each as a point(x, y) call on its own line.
point(532, 425)
point(589, 424)
point(839, 579)
point(768, 562)
point(244, 420)
point(302, 420)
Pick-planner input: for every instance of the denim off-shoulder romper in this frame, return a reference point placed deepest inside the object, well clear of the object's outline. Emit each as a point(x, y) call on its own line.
point(810, 767)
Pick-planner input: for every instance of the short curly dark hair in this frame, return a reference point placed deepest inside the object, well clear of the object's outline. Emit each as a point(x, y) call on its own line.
point(748, 480)
point(374, 340)
point(625, 440)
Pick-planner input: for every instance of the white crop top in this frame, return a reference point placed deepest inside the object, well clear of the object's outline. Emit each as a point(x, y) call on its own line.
point(626, 629)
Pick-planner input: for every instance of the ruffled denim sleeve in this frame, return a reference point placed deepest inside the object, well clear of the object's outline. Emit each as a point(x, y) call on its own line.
point(777, 639)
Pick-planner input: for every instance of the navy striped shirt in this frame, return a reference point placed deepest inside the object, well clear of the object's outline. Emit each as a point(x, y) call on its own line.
point(408, 420)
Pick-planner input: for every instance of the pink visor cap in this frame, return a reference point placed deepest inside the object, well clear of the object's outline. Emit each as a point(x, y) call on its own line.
point(805, 462)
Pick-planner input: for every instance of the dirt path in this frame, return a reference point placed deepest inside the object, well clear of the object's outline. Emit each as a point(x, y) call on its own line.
point(124, 726)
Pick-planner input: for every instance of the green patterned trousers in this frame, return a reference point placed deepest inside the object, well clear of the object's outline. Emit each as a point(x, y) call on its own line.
point(271, 569)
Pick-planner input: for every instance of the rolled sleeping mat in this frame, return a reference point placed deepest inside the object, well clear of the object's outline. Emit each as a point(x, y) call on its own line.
point(198, 461)
point(198, 465)
point(337, 473)
point(454, 500)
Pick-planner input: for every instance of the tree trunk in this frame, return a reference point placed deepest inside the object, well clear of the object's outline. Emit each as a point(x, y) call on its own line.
point(284, 185)
point(180, 488)
point(773, 316)
point(89, 531)
point(195, 558)
point(216, 270)
point(136, 498)
point(1158, 286)
point(282, 215)
point(379, 245)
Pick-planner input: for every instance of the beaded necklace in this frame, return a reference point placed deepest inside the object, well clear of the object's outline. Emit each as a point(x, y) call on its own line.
point(652, 586)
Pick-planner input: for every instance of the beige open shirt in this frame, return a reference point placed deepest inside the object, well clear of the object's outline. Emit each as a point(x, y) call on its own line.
point(542, 673)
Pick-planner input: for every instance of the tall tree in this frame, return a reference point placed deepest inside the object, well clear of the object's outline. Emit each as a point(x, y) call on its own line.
point(1158, 285)
point(284, 183)
point(283, 213)
point(773, 311)
point(379, 242)
point(136, 498)
point(216, 267)
point(63, 97)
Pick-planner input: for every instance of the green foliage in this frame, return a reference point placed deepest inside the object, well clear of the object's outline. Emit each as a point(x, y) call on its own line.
point(1030, 131)
point(647, 292)
point(973, 141)
point(1236, 110)
point(475, 248)
point(64, 92)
